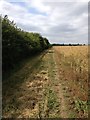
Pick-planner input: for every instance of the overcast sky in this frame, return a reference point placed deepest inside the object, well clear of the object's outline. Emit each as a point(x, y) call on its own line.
point(57, 20)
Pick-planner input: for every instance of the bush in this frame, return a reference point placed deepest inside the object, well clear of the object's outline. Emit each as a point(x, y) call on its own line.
point(18, 44)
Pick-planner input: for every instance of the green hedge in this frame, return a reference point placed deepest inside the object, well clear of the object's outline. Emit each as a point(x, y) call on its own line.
point(18, 44)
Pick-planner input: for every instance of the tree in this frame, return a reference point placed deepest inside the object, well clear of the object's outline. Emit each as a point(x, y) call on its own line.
point(18, 44)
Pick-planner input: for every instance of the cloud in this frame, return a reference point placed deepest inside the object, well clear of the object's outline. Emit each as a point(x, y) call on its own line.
point(59, 21)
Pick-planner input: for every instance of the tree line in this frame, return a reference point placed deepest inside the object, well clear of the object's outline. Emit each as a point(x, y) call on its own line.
point(18, 44)
point(68, 44)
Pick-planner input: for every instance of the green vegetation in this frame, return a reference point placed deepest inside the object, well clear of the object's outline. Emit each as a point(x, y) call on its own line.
point(18, 44)
point(81, 105)
point(52, 101)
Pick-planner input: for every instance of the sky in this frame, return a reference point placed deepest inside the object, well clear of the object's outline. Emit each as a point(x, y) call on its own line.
point(60, 21)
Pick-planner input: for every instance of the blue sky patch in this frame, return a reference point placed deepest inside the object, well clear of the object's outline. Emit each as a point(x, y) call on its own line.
point(35, 11)
point(22, 4)
point(30, 9)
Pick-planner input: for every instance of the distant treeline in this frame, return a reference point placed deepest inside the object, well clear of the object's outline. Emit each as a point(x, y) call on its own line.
point(68, 44)
point(18, 44)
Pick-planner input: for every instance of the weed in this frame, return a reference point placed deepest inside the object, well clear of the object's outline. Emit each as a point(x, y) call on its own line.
point(52, 101)
point(81, 105)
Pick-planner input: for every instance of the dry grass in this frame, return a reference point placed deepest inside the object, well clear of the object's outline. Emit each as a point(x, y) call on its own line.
point(76, 56)
point(74, 65)
point(48, 85)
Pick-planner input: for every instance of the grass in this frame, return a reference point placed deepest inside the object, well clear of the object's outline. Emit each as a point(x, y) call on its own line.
point(52, 100)
point(12, 90)
point(53, 104)
point(81, 105)
point(38, 80)
point(72, 115)
point(74, 64)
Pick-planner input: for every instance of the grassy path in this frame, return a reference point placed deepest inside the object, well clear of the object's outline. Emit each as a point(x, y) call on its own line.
point(23, 91)
point(38, 90)
point(60, 105)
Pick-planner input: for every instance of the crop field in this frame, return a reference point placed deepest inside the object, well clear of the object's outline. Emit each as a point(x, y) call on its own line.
point(53, 84)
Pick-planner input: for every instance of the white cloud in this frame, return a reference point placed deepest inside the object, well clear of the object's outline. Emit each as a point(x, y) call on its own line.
point(59, 21)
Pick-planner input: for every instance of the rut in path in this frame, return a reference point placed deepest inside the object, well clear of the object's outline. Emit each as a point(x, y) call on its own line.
point(57, 87)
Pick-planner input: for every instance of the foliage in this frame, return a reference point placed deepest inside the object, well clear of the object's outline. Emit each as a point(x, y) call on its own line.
point(18, 44)
point(81, 105)
point(52, 101)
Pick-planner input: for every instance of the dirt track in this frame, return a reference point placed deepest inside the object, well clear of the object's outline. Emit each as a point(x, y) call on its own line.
point(41, 90)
